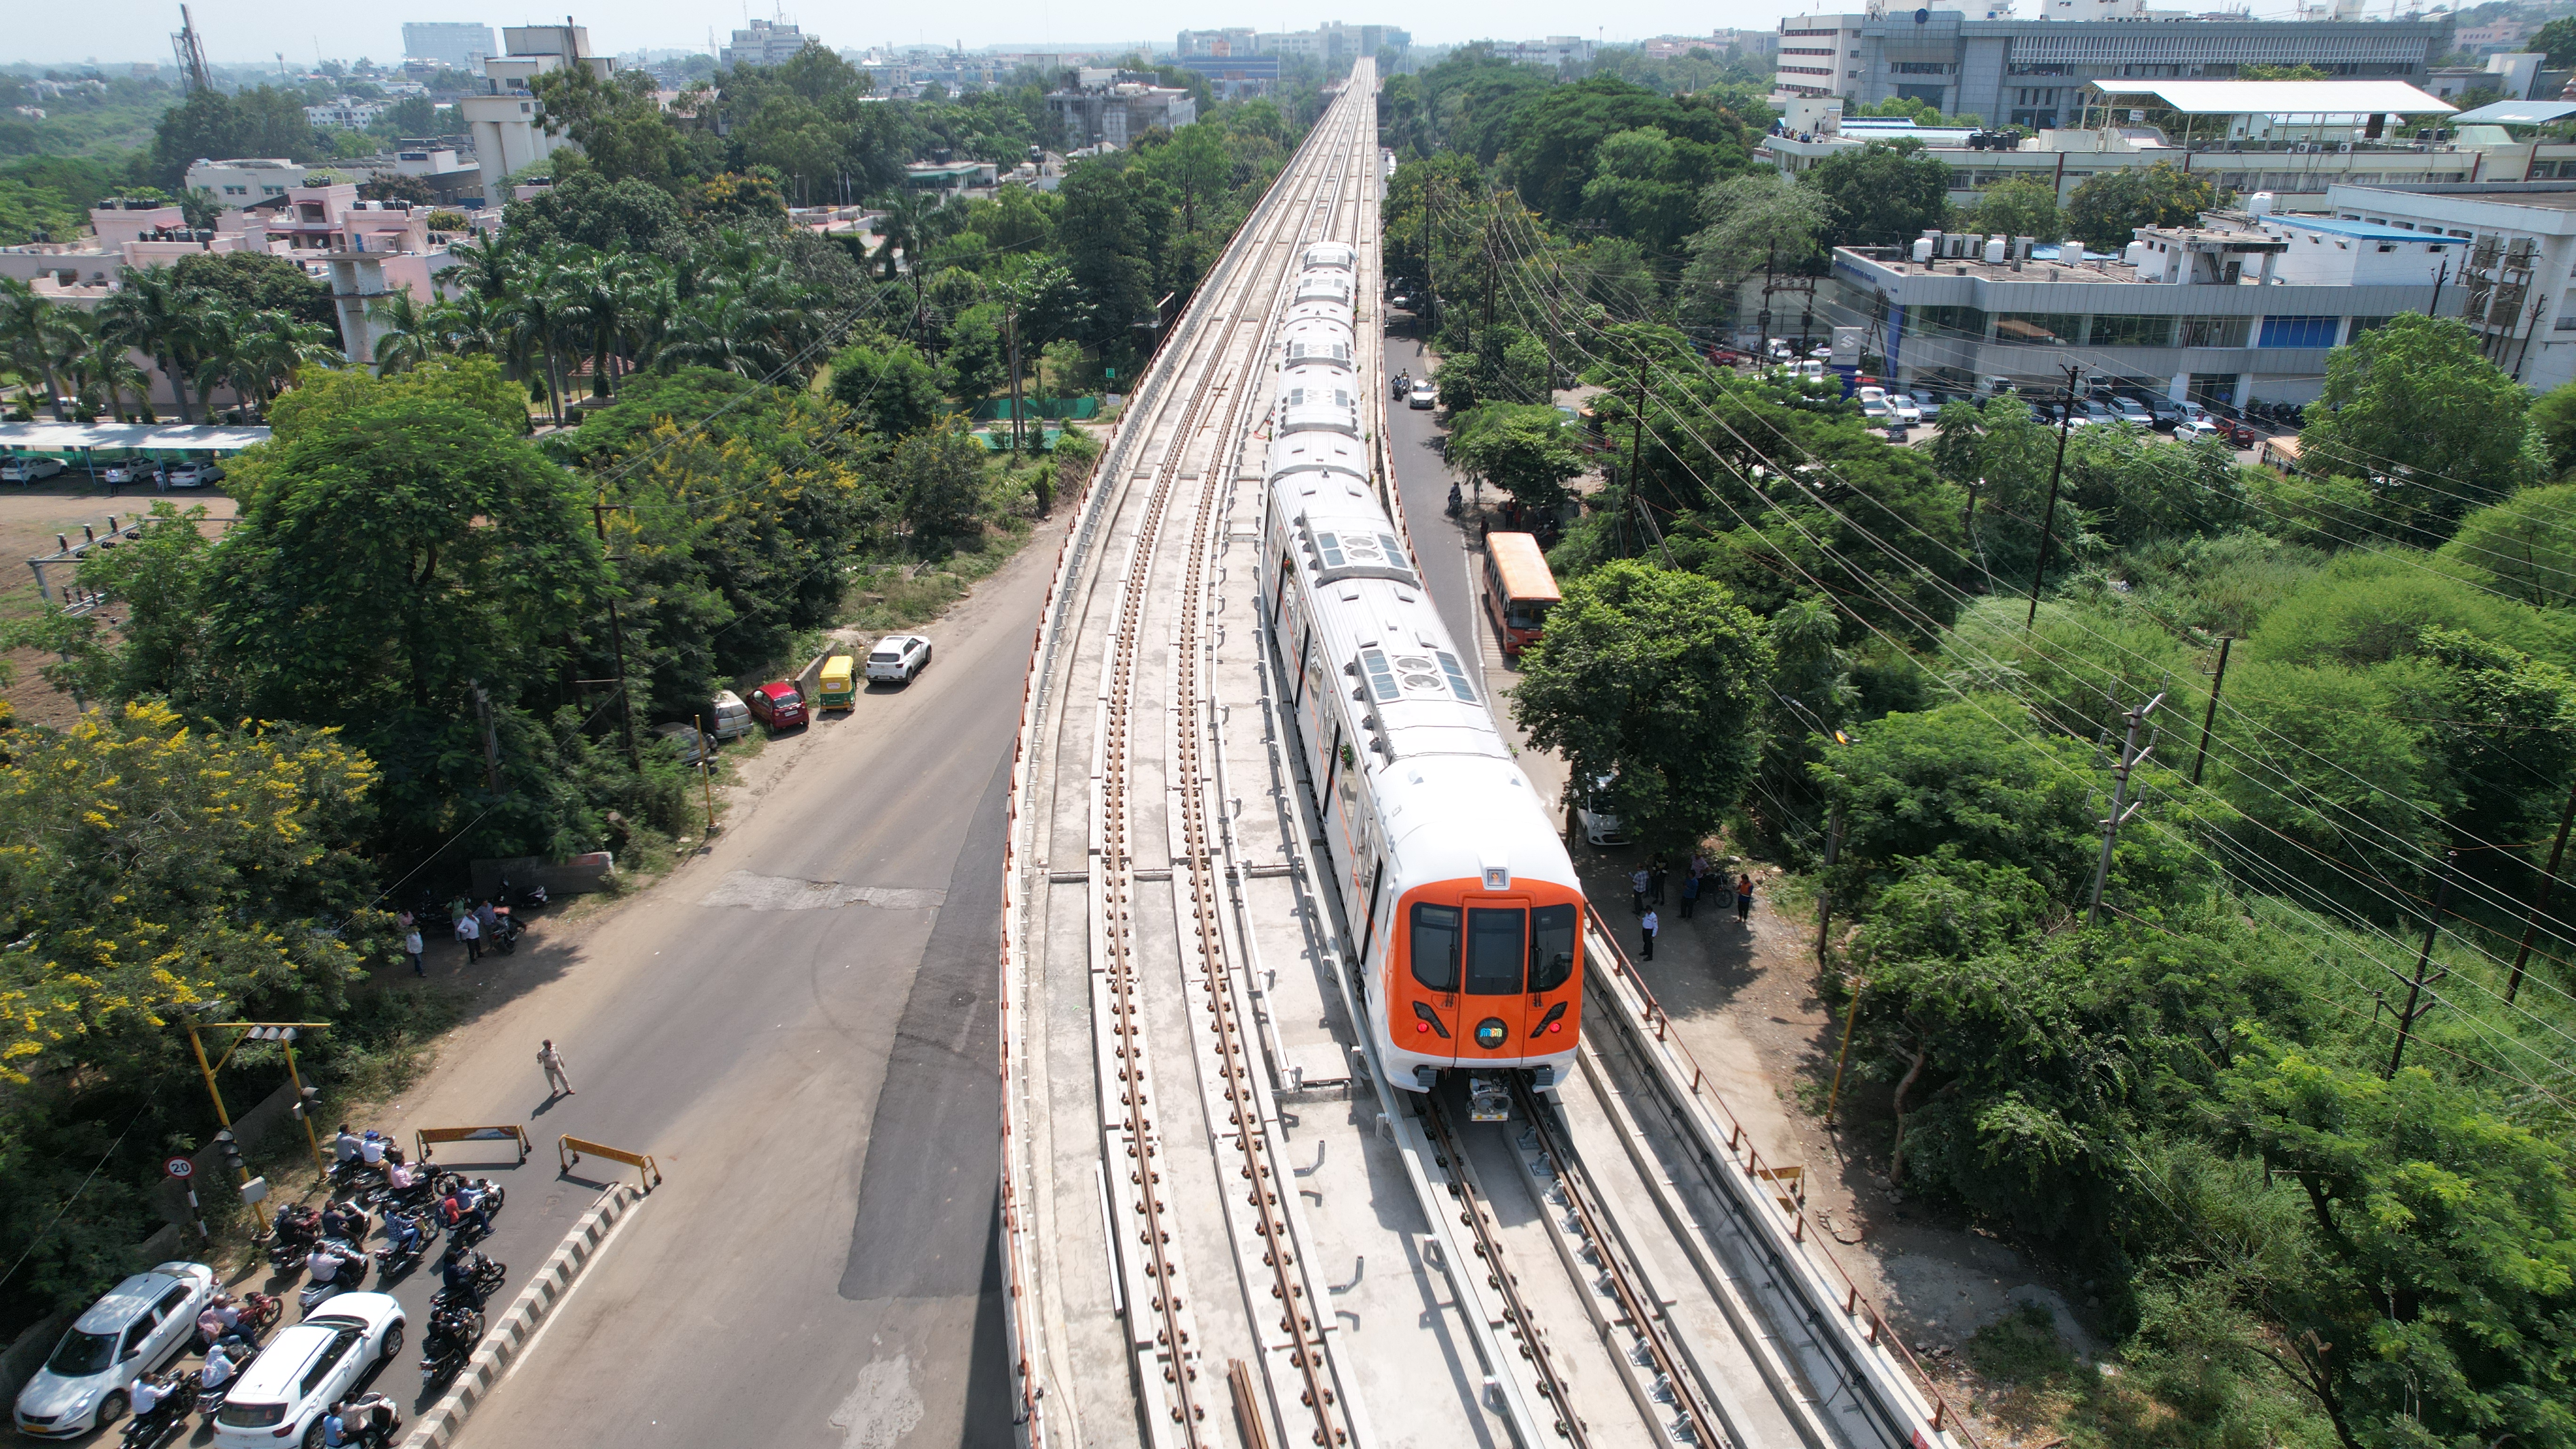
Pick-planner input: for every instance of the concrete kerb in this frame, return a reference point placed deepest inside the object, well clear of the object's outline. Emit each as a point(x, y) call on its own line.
point(503, 1340)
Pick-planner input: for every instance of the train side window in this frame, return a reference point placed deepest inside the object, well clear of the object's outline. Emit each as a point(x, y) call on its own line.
point(1495, 951)
point(1434, 948)
point(1551, 947)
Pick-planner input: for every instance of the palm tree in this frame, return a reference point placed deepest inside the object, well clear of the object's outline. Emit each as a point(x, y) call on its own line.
point(216, 356)
point(538, 317)
point(725, 329)
point(37, 334)
point(490, 267)
point(155, 316)
point(905, 227)
point(273, 345)
point(603, 293)
point(469, 325)
point(108, 366)
point(403, 330)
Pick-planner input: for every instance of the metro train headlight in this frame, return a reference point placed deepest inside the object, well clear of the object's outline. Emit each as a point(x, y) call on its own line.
point(1491, 1033)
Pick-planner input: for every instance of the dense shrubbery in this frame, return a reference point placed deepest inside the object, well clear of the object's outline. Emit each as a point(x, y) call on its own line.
point(2192, 1102)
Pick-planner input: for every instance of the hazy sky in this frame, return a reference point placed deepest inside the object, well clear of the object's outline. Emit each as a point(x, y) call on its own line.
point(256, 30)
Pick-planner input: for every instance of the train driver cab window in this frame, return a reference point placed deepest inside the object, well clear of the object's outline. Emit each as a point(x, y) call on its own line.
point(1551, 947)
point(1495, 951)
point(1435, 946)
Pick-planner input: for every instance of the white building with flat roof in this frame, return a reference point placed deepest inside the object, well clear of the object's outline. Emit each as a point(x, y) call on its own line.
point(764, 42)
point(456, 44)
point(2514, 245)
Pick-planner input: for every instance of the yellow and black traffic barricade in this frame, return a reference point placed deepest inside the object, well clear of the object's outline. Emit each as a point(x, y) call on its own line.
point(570, 1149)
point(509, 1132)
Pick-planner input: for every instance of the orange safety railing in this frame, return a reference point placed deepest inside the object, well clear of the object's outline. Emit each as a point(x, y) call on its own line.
point(1876, 1330)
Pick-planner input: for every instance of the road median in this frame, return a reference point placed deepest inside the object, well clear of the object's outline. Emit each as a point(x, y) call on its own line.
point(507, 1337)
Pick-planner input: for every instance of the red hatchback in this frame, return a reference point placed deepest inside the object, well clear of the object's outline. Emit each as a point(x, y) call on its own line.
point(777, 705)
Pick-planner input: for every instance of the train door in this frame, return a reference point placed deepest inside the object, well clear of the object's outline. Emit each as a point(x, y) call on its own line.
point(1494, 968)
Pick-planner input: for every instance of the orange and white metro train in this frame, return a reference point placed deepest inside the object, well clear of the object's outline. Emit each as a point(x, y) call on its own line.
point(1464, 904)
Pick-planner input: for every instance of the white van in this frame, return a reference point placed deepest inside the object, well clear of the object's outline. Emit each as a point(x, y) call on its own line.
point(732, 717)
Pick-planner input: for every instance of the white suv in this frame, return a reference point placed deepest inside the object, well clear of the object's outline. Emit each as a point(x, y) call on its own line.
point(281, 1397)
point(897, 658)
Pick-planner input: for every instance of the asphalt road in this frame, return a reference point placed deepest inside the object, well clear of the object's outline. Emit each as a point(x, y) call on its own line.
point(1413, 441)
point(799, 1026)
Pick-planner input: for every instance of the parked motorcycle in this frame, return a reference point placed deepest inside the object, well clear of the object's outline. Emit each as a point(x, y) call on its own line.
point(454, 1333)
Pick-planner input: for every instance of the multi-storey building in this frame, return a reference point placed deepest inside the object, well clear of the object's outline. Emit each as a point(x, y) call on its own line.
point(1116, 110)
point(2012, 72)
point(508, 126)
point(764, 42)
point(455, 44)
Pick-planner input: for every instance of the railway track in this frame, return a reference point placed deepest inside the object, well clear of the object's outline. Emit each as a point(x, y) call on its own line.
point(1603, 1289)
point(1287, 1389)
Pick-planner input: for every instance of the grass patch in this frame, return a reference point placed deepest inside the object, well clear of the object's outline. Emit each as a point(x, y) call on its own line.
point(901, 596)
point(2032, 1382)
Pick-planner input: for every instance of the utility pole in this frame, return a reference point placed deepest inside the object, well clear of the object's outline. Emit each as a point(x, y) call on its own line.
point(2439, 278)
point(2530, 325)
point(2131, 756)
point(1637, 438)
point(1489, 273)
point(1430, 291)
point(617, 644)
point(2210, 717)
point(2056, 471)
point(1011, 339)
point(2540, 901)
point(2415, 989)
point(1762, 344)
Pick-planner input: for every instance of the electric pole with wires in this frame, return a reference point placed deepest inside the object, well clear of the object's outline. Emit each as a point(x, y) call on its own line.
point(2132, 755)
point(2416, 1007)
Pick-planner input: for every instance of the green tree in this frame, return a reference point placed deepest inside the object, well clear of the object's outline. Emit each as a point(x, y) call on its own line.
point(2524, 547)
point(1759, 219)
point(2557, 40)
point(893, 387)
point(1884, 194)
point(2441, 1307)
point(2554, 415)
point(2435, 427)
point(2107, 208)
point(1526, 449)
point(623, 133)
point(1644, 186)
point(1103, 235)
point(263, 121)
point(938, 477)
point(1656, 677)
point(2021, 207)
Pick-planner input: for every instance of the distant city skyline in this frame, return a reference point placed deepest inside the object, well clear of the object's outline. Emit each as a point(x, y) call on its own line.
point(238, 32)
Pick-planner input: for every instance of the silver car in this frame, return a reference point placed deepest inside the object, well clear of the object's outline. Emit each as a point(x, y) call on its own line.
point(140, 1324)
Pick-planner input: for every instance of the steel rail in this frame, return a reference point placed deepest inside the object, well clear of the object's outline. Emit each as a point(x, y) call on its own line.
point(1249, 1118)
point(1117, 987)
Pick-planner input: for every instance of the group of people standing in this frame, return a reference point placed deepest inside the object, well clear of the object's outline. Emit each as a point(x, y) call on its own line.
point(1647, 883)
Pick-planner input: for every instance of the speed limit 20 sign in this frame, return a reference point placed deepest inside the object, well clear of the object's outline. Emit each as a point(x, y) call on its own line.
point(179, 1167)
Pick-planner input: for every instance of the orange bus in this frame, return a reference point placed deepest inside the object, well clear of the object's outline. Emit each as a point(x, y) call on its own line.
point(1518, 590)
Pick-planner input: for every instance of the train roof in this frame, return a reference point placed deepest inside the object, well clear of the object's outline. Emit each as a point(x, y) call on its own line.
point(1453, 816)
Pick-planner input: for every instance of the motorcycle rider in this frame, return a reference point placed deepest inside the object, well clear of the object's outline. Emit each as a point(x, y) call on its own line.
point(345, 1147)
point(460, 1270)
point(324, 1263)
point(1456, 503)
point(218, 1370)
point(345, 1220)
point(151, 1398)
point(402, 1231)
point(464, 1202)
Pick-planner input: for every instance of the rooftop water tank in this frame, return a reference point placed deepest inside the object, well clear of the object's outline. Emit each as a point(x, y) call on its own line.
point(2262, 203)
point(1923, 249)
point(2136, 254)
point(1995, 248)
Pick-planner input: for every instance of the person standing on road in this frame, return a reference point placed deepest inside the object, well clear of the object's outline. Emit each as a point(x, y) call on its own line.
point(412, 946)
point(1646, 929)
point(1690, 894)
point(470, 931)
point(553, 1063)
point(1744, 898)
point(1655, 873)
point(1638, 883)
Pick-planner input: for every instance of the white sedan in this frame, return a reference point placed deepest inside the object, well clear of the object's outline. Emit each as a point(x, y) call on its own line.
point(24, 469)
point(1423, 396)
point(897, 658)
point(89, 1379)
point(308, 1367)
point(128, 470)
